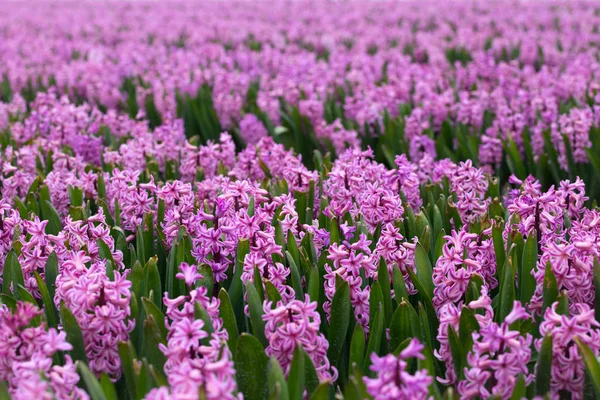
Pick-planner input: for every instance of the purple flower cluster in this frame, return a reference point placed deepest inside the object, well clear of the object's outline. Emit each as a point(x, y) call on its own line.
point(27, 352)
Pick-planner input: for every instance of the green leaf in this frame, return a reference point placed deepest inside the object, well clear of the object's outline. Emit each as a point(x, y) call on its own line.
point(51, 272)
point(592, 367)
point(151, 309)
point(49, 306)
point(458, 353)
point(297, 374)
point(94, 389)
point(357, 346)
point(334, 232)
point(311, 379)
point(432, 319)
point(272, 292)
point(207, 280)
point(404, 324)
point(228, 317)
point(550, 291)
point(255, 306)
point(127, 356)
point(74, 335)
point(499, 244)
point(313, 284)
point(278, 387)
point(528, 263)
point(236, 289)
point(321, 392)
point(400, 291)
point(251, 364)
point(520, 390)
point(295, 276)
point(49, 213)
point(201, 313)
point(424, 269)
point(152, 338)
point(543, 367)
point(383, 277)
point(153, 283)
point(375, 337)
point(507, 291)
point(12, 273)
point(108, 387)
point(467, 325)
point(339, 322)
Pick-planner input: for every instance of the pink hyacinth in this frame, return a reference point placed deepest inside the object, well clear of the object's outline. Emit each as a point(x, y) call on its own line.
point(393, 380)
point(297, 323)
point(567, 365)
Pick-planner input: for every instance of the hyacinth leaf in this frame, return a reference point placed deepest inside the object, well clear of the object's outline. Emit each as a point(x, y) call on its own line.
point(404, 325)
point(474, 288)
point(375, 337)
point(256, 312)
point(23, 294)
point(311, 378)
point(251, 364)
point(74, 335)
point(528, 263)
point(200, 313)
point(467, 325)
point(383, 277)
point(258, 283)
point(562, 307)
point(107, 386)
point(592, 367)
point(152, 310)
point(50, 214)
point(49, 306)
point(339, 322)
point(236, 289)
point(272, 293)
point(9, 301)
point(296, 378)
point(127, 356)
point(431, 319)
point(292, 248)
point(227, 315)
point(400, 291)
point(334, 231)
point(424, 269)
point(104, 251)
point(520, 390)
point(295, 276)
point(278, 387)
point(375, 299)
point(94, 389)
point(458, 352)
point(543, 367)
point(352, 390)
point(499, 246)
point(153, 285)
point(357, 346)
point(145, 381)
point(207, 279)
point(12, 274)
point(313, 288)
point(550, 291)
point(322, 392)
point(514, 160)
point(507, 291)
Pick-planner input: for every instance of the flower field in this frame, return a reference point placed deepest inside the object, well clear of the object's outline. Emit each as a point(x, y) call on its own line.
point(299, 200)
